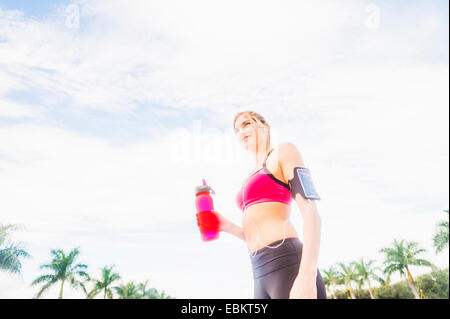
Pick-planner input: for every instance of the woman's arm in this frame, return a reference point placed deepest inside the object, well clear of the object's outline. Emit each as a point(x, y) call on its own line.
point(229, 227)
point(289, 157)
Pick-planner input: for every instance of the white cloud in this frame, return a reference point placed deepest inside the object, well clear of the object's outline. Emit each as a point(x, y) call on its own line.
point(169, 54)
point(12, 110)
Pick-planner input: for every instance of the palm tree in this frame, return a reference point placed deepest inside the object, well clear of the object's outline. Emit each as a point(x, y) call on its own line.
point(365, 271)
point(10, 253)
point(162, 295)
point(151, 293)
point(384, 282)
point(400, 256)
point(127, 291)
point(331, 279)
point(62, 268)
point(145, 293)
point(108, 277)
point(440, 239)
point(347, 275)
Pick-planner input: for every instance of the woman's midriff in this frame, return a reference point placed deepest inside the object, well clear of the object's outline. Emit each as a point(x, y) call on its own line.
point(269, 220)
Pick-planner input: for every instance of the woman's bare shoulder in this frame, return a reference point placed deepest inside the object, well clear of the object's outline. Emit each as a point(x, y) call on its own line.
point(288, 157)
point(288, 152)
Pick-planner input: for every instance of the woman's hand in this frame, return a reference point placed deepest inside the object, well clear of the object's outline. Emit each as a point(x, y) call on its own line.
point(304, 287)
point(224, 224)
point(228, 227)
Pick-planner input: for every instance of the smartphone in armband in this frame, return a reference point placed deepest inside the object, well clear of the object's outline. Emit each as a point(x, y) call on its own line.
point(302, 183)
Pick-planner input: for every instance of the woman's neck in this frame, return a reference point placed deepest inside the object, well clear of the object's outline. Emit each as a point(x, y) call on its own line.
point(260, 156)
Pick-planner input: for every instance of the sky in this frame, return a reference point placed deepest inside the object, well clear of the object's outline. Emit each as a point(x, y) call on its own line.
point(112, 112)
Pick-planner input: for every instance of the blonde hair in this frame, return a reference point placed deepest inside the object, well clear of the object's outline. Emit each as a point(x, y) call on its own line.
point(260, 121)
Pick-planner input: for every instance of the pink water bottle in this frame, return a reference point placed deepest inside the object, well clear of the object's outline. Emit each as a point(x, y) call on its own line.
point(207, 221)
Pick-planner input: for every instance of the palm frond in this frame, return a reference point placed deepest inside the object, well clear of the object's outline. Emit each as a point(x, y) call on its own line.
point(43, 278)
point(44, 289)
point(10, 258)
point(441, 237)
point(10, 253)
point(94, 292)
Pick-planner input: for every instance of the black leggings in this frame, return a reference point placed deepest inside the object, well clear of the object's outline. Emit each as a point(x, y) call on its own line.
point(275, 269)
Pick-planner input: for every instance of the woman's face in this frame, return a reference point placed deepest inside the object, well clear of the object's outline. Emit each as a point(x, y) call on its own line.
point(245, 130)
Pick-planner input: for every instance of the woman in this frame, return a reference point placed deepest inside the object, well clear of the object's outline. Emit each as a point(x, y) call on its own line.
point(271, 238)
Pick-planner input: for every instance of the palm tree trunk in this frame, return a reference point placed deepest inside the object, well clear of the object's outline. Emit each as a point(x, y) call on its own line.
point(351, 291)
point(412, 284)
point(61, 290)
point(372, 296)
point(370, 290)
point(333, 292)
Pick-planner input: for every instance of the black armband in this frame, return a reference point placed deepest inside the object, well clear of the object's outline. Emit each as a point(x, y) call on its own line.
point(302, 184)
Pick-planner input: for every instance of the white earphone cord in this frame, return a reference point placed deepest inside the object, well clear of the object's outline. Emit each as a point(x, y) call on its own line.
point(259, 239)
point(257, 229)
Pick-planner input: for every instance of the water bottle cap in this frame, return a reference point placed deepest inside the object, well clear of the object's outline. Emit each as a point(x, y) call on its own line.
point(202, 188)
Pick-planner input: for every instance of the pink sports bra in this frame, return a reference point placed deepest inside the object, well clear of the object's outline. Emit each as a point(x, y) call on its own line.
point(263, 187)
